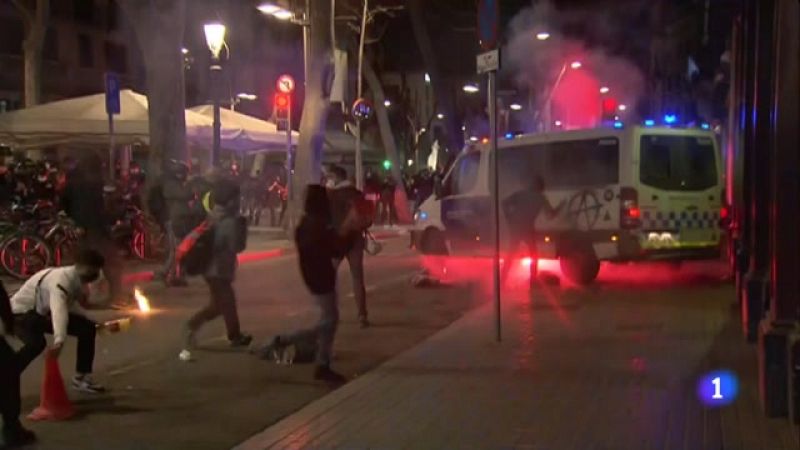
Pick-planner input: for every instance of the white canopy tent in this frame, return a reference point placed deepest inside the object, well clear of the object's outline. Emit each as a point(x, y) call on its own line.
point(247, 134)
point(83, 120)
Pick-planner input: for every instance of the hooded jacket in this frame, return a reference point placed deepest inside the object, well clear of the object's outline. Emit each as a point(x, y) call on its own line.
point(223, 220)
point(318, 243)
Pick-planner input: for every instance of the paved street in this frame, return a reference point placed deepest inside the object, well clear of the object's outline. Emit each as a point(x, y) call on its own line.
point(225, 396)
point(613, 367)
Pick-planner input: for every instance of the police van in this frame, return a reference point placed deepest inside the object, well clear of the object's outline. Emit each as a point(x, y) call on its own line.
point(632, 194)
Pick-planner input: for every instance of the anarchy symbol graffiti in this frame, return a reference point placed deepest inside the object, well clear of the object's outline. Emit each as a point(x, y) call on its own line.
point(584, 210)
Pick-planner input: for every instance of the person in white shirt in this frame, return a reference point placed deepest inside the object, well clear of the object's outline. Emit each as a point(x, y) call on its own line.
point(49, 302)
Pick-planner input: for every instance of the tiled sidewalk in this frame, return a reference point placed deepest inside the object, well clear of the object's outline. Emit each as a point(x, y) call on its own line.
point(610, 369)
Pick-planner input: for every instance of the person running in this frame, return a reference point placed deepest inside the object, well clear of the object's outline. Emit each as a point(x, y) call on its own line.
point(14, 434)
point(342, 195)
point(319, 244)
point(279, 190)
point(229, 239)
point(521, 210)
point(49, 303)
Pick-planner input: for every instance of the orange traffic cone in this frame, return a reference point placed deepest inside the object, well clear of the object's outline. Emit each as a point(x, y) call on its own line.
point(55, 404)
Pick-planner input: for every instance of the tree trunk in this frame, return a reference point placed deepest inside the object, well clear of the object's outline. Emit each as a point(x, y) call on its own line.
point(32, 46)
point(308, 161)
point(159, 27)
point(389, 144)
point(441, 88)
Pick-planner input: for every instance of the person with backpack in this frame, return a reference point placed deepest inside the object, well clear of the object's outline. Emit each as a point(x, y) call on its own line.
point(223, 236)
point(319, 245)
point(343, 197)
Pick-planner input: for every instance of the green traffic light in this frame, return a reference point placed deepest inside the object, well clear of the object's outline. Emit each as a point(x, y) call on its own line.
point(387, 164)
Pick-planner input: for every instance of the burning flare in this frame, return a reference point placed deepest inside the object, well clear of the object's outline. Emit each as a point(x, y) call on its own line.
point(141, 300)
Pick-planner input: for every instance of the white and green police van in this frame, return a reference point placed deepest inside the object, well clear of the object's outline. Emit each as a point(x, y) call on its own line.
point(628, 194)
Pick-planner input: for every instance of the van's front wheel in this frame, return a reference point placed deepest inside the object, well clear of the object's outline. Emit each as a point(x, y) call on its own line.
point(580, 267)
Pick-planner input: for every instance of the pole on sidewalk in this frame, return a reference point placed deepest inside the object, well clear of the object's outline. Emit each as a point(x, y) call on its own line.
point(495, 201)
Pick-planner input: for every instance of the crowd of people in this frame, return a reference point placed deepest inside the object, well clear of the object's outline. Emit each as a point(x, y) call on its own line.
point(194, 210)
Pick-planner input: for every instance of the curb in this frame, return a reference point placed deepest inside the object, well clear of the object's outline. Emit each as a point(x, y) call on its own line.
point(250, 257)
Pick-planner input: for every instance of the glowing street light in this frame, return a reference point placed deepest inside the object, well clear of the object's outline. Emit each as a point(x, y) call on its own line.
point(576, 65)
point(427, 78)
point(283, 15)
point(185, 51)
point(440, 116)
point(543, 35)
point(215, 37)
point(269, 8)
point(387, 103)
point(557, 123)
point(471, 88)
point(622, 107)
point(246, 96)
point(604, 90)
point(515, 107)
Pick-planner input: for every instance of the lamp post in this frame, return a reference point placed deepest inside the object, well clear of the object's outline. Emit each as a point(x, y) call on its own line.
point(280, 13)
point(215, 38)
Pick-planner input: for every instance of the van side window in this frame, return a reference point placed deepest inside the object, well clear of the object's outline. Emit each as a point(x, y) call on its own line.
point(464, 175)
point(591, 162)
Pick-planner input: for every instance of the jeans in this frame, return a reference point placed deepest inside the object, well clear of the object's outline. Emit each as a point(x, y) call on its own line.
point(31, 327)
point(222, 302)
point(324, 331)
point(355, 259)
point(9, 386)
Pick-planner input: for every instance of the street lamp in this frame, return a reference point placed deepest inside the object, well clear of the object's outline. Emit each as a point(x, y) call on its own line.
point(271, 9)
point(215, 38)
point(471, 88)
point(604, 90)
point(543, 36)
point(440, 116)
point(622, 107)
point(242, 96)
point(387, 103)
point(515, 107)
point(576, 65)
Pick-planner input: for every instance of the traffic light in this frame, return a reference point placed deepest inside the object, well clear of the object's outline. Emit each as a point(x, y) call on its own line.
point(609, 109)
point(281, 106)
point(387, 164)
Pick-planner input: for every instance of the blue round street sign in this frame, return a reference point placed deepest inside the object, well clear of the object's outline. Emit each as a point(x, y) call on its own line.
point(488, 18)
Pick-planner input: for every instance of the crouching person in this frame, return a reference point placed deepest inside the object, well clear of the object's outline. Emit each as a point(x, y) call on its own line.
point(14, 434)
point(319, 245)
point(49, 303)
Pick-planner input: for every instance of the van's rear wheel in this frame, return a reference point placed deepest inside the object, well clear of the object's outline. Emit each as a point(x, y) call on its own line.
point(580, 267)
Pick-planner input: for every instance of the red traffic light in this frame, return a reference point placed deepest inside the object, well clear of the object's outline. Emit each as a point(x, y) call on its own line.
point(281, 105)
point(609, 106)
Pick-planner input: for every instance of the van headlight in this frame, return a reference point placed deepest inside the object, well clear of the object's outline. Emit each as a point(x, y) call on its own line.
point(420, 215)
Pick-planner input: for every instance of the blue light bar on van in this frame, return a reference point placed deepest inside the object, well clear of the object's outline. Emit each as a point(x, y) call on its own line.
point(649, 122)
point(705, 126)
point(509, 135)
point(670, 119)
point(617, 124)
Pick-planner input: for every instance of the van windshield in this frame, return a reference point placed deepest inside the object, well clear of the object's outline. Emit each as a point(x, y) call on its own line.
point(678, 163)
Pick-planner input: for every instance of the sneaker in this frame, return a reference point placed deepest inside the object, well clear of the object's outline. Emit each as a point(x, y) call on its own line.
point(326, 374)
point(243, 340)
point(272, 351)
point(85, 383)
point(17, 436)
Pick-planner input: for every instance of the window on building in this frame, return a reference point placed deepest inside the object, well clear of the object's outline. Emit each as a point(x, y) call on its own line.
point(12, 33)
point(50, 50)
point(84, 11)
point(85, 53)
point(116, 57)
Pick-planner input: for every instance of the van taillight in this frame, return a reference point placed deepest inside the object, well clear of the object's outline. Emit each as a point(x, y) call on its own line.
point(630, 214)
point(724, 217)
